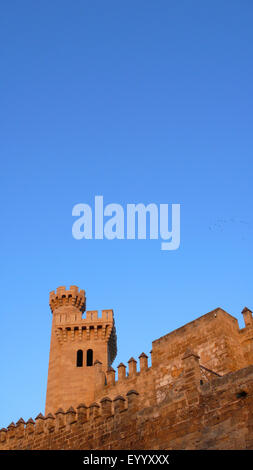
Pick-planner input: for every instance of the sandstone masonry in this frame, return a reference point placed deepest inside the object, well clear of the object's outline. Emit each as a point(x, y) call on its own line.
point(196, 394)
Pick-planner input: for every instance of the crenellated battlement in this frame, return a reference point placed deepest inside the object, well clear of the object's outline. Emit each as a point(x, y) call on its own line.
point(125, 373)
point(92, 327)
point(90, 318)
point(193, 414)
point(67, 298)
point(149, 404)
point(27, 435)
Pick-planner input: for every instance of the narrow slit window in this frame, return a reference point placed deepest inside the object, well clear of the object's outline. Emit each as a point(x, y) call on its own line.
point(79, 358)
point(89, 361)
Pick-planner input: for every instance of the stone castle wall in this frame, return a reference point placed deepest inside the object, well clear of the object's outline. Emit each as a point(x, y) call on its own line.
point(196, 394)
point(216, 414)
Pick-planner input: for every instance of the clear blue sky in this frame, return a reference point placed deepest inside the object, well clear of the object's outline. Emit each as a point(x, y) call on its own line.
point(138, 101)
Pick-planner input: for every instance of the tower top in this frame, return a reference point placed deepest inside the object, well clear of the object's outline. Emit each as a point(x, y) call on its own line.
point(67, 298)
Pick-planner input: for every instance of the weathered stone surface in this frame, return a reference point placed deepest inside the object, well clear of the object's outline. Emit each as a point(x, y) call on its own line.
point(197, 394)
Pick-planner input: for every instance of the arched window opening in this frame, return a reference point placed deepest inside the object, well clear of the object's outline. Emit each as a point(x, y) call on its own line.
point(89, 361)
point(79, 358)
